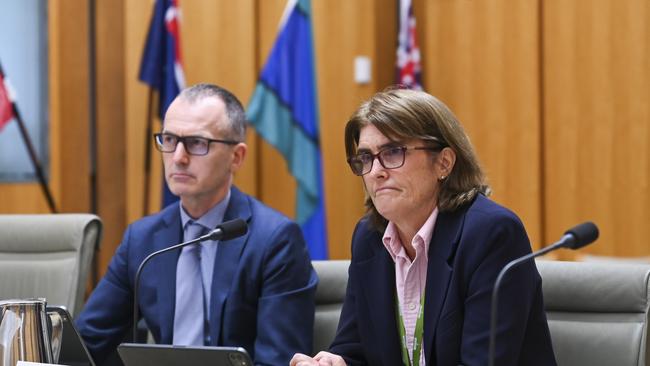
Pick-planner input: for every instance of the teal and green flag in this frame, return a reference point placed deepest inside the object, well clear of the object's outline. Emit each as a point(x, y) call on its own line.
point(284, 111)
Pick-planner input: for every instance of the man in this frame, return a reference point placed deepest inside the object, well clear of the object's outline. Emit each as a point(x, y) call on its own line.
point(255, 291)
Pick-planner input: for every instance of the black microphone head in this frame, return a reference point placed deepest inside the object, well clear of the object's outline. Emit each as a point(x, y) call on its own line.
point(231, 229)
point(583, 234)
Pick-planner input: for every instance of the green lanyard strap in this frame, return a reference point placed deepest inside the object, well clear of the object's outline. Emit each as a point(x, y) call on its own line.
point(417, 336)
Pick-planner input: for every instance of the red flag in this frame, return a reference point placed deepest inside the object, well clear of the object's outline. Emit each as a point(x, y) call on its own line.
point(6, 110)
point(408, 53)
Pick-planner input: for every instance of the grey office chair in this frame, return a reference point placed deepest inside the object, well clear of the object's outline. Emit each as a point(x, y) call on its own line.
point(332, 282)
point(48, 256)
point(597, 312)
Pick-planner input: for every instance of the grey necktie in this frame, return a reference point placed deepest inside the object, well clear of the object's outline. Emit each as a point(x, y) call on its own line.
point(189, 314)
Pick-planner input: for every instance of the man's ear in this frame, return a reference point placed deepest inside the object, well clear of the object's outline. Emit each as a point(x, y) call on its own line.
point(238, 156)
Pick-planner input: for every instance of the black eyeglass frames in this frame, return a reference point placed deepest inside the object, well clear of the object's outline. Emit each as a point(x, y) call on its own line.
point(194, 145)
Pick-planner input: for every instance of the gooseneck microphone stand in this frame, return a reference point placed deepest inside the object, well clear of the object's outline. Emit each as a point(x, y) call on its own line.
point(574, 238)
point(225, 231)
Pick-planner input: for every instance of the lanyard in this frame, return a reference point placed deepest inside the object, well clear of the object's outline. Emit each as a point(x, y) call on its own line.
point(417, 336)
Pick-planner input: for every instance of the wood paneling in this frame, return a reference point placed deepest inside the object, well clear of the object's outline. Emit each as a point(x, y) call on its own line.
point(553, 95)
point(69, 98)
point(111, 125)
point(23, 198)
point(137, 16)
point(343, 30)
point(597, 125)
point(219, 48)
point(482, 59)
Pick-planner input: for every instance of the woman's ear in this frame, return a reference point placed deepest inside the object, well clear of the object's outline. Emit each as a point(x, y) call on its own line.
point(446, 159)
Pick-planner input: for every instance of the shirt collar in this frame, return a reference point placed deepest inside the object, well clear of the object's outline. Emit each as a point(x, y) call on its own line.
point(210, 219)
point(394, 246)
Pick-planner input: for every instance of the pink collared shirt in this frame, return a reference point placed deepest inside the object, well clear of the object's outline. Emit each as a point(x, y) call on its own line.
point(410, 276)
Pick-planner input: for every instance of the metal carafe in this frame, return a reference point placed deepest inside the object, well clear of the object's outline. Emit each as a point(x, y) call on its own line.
point(28, 332)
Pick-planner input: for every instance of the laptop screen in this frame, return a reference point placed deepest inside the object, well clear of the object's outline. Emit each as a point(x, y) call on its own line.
point(73, 350)
point(136, 354)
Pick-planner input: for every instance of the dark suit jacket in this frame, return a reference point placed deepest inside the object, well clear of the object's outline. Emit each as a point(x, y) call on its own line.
point(262, 290)
point(468, 249)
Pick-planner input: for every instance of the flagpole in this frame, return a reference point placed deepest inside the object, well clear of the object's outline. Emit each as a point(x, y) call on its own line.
point(161, 70)
point(32, 152)
point(92, 124)
point(92, 108)
point(147, 154)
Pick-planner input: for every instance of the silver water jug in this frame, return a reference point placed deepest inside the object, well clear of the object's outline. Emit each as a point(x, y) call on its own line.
point(28, 332)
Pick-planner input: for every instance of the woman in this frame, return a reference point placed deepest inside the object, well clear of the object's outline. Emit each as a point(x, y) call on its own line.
point(425, 257)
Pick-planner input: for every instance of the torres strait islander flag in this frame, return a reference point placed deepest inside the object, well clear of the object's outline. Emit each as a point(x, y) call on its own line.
point(284, 111)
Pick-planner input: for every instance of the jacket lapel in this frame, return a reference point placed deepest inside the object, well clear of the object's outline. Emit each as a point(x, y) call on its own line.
point(377, 279)
point(170, 234)
point(226, 262)
point(441, 250)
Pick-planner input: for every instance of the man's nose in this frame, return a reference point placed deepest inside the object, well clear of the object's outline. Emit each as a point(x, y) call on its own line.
point(180, 155)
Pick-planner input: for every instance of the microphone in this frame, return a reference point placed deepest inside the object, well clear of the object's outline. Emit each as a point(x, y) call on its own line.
point(574, 238)
point(224, 231)
point(578, 236)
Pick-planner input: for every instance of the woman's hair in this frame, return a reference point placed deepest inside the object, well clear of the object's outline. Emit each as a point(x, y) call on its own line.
point(402, 114)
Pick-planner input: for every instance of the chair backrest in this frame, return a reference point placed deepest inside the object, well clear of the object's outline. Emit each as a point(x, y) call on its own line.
point(332, 282)
point(47, 256)
point(597, 312)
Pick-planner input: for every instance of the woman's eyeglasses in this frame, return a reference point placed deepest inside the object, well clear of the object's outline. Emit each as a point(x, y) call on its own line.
point(389, 158)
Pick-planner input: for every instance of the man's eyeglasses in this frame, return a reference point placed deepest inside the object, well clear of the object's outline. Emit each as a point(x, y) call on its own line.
point(389, 158)
point(194, 145)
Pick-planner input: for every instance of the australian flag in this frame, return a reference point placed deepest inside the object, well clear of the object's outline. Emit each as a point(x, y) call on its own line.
point(161, 66)
point(408, 53)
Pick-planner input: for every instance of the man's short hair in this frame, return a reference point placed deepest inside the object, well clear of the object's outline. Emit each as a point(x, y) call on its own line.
point(234, 108)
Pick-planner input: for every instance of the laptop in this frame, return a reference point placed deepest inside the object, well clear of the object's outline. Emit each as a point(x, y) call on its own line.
point(138, 354)
point(73, 350)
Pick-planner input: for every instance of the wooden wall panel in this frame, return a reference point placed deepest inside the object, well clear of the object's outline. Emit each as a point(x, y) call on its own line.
point(553, 94)
point(137, 15)
point(111, 126)
point(343, 30)
point(69, 114)
point(482, 59)
point(597, 128)
point(23, 198)
point(219, 48)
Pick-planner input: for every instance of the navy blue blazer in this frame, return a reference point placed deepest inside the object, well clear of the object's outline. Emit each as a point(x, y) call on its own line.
point(262, 295)
point(468, 249)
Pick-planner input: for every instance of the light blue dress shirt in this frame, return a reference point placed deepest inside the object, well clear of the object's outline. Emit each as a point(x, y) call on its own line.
point(209, 248)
